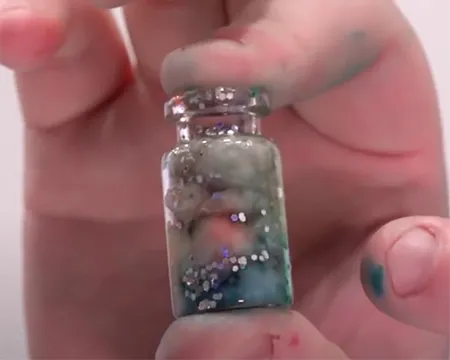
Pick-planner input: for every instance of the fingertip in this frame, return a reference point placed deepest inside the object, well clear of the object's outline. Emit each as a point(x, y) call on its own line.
point(246, 334)
point(84, 63)
point(28, 40)
point(405, 271)
point(206, 64)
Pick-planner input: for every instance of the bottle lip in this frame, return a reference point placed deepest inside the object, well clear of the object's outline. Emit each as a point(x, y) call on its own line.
point(216, 101)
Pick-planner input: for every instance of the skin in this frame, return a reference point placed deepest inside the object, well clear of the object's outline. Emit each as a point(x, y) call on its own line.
point(350, 82)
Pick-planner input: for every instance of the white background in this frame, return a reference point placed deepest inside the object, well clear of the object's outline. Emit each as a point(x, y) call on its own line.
point(431, 19)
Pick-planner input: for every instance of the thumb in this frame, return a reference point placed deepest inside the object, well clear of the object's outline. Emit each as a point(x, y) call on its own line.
point(255, 334)
point(406, 271)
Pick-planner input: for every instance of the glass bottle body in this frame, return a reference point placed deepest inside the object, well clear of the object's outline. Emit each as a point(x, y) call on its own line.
point(225, 218)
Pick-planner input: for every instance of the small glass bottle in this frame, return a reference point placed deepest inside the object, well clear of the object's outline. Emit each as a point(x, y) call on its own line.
point(224, 204)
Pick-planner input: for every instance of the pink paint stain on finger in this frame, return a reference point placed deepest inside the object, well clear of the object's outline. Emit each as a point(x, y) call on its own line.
point(218, 237)
point(294, 341)
point(285, 347)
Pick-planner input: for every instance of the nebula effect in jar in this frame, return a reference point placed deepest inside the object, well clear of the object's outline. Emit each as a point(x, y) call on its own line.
point(226, 228)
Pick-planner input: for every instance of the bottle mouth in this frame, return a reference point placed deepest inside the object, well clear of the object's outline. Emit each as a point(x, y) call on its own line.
point(203, 102)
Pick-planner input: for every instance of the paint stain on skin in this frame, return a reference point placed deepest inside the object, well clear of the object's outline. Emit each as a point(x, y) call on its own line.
point(295, 341)
point(374, 277)
point(286, 346)
point(358, 54)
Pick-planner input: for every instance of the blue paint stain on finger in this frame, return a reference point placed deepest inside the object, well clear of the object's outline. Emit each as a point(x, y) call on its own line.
point(374, 277)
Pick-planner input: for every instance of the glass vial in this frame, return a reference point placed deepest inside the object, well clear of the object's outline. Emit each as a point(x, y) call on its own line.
point(224, 204)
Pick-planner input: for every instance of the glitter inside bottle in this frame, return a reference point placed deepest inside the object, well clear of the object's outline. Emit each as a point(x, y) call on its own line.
point(224, 204)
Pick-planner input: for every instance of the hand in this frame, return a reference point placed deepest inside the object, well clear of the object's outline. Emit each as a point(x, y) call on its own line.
point(358, 127)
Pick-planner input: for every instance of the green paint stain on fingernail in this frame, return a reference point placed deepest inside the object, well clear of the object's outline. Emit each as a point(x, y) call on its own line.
point(375, 277)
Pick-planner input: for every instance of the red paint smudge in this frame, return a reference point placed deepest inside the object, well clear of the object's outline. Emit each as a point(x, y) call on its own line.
point(295, 341)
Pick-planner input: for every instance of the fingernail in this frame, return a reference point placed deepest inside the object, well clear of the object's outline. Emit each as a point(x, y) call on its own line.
point(412, 260)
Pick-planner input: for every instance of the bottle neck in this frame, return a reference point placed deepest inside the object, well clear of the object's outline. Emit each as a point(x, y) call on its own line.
point(206, 112)
point(233, 125)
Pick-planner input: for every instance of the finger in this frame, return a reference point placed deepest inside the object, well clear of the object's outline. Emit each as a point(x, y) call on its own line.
point(279, 42)
point(160, 26)
point(30, 31)
point(68, 57)
point(258, 334)
point(316, 50)
point(406, 271)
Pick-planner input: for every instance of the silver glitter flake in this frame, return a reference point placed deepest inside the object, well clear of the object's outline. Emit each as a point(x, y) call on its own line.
point(242, 217)
point(214, 276)
point(206, 304)
point(194, 100)
point(179, 109)
point(206, 286)
point(189, 279)
point(242, 260)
